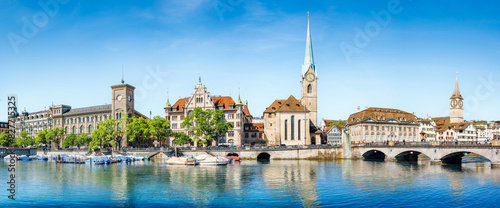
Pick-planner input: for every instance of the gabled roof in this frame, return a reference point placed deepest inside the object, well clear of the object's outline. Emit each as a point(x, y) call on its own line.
point(180, 104)
point(223, 101)
point(443, 123)
point(292, 105)
point(219, 101)
point(274, 106)
point(381, 115)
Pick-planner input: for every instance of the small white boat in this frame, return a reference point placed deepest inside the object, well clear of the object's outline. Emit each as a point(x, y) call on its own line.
point(182, 161)
point(8, 157)
point(215, 161)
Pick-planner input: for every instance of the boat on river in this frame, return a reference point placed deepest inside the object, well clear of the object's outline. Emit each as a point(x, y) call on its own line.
point(215, 161)
point(182, 161)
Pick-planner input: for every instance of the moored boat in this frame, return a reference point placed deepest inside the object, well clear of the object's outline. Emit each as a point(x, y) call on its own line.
point(215, 161)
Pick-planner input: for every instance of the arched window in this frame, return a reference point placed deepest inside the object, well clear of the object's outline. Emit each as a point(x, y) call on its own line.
point(82, 129)
point(309, 89)
point(66, 130)
point(286, 129)
point(90, 128)
point(298, 129)
point(292, 127)
point(74, 130)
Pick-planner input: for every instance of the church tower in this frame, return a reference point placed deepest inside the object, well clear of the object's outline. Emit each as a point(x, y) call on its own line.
point(456, 106)
point(309, 79)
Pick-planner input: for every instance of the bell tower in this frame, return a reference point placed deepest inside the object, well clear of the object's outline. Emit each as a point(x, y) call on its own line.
point(456, 106)
point(309, 79)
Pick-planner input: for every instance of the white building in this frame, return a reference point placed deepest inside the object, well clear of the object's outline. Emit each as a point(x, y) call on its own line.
point(334, 135)
point(427, 130)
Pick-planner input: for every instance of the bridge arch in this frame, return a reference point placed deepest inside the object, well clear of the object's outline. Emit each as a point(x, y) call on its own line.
point(374, 154)
point(263, 156)
point(456, 157)
point(408, 155)
point(232, 154)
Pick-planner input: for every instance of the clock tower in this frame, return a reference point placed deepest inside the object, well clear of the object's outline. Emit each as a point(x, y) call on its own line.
point(456, 106)
point(309, 79)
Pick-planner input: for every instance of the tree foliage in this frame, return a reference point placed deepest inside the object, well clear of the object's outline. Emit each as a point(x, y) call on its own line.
point(4, 139)
point(41, 137)
point(340, 122)
point(69, 140)
point(83, 139)
point(136, 129)
point(206, 125)
point(181, 138)
point(107, 133)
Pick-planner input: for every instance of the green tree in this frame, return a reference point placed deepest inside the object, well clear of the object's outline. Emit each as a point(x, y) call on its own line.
point(83, 139)
point(69, 140)
point(340, 122)
point(159, 129)
point(41, 137)
point(55, 135)
point(206, 125)
point(182, 138)
point(107, 134)
point(136, 129)
point(4, 139)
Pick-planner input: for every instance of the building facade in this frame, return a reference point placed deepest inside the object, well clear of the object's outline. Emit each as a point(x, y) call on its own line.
point(427, 129)
point(292, 121)
point(236, 113)
point(334, 135)
point(383, 125)
point(79, 120)
point(4, 127)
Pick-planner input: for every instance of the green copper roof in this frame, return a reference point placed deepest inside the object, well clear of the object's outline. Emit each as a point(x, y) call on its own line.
point(309, 58)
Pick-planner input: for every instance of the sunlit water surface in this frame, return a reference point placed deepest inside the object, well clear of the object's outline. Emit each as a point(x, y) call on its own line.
point(342, 183)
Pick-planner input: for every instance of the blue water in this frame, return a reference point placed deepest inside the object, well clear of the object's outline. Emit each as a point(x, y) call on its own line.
point(347, 183)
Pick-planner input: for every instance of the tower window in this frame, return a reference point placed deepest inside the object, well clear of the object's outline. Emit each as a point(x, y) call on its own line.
point(309, 89)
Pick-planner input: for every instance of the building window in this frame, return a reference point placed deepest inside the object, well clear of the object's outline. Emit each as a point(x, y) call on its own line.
point(90, 128)
point(292, 127)
point(74, 130)
point(230, 133)
point(254, 135)
point(298, 128)
point(174, 126)
point(246, 135)
point(174, 118)
point(82, 129)
point(309, 89)
point(286, 129)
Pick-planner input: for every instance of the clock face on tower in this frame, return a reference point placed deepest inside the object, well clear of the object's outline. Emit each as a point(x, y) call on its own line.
point(453, 103)
point(460, 104)
point(119, 97)
point(310, 77)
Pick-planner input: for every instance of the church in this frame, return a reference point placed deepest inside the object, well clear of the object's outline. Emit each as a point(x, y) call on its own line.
point(291, 121)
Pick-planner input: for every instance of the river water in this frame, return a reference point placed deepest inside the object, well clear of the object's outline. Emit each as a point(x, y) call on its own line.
point(276, 183)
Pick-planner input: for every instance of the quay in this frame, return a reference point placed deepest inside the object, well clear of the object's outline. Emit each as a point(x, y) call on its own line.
point(438, 154)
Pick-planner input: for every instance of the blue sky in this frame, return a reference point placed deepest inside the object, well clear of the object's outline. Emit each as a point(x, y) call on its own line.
point(77, 53)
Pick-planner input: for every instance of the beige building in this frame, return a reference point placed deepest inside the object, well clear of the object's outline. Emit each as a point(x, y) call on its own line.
point(382, 125)
point(236, 113)
point(4, 127)
point(292, 121)
point(80, 120)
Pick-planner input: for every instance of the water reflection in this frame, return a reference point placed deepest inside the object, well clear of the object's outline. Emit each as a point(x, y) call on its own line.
point(256, 184)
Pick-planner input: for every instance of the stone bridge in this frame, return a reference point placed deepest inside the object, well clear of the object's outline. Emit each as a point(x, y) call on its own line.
point(274, 154)
point(438, 154)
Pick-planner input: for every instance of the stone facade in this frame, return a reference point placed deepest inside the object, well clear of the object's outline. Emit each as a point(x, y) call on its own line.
point(236, 113)
point(79, 120)
point(383, 125)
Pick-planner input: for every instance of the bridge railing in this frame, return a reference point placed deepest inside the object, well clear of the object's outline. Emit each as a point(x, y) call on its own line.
point(422, 144)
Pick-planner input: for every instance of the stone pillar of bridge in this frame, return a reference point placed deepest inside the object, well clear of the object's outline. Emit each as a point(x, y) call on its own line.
point(390, 158)
point(436, 162)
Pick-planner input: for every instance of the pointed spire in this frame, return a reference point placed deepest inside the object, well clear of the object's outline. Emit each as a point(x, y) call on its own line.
point(309, 58)
point(456, 92)
point(123, 81)
point(239, 99)
point(168, 102)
